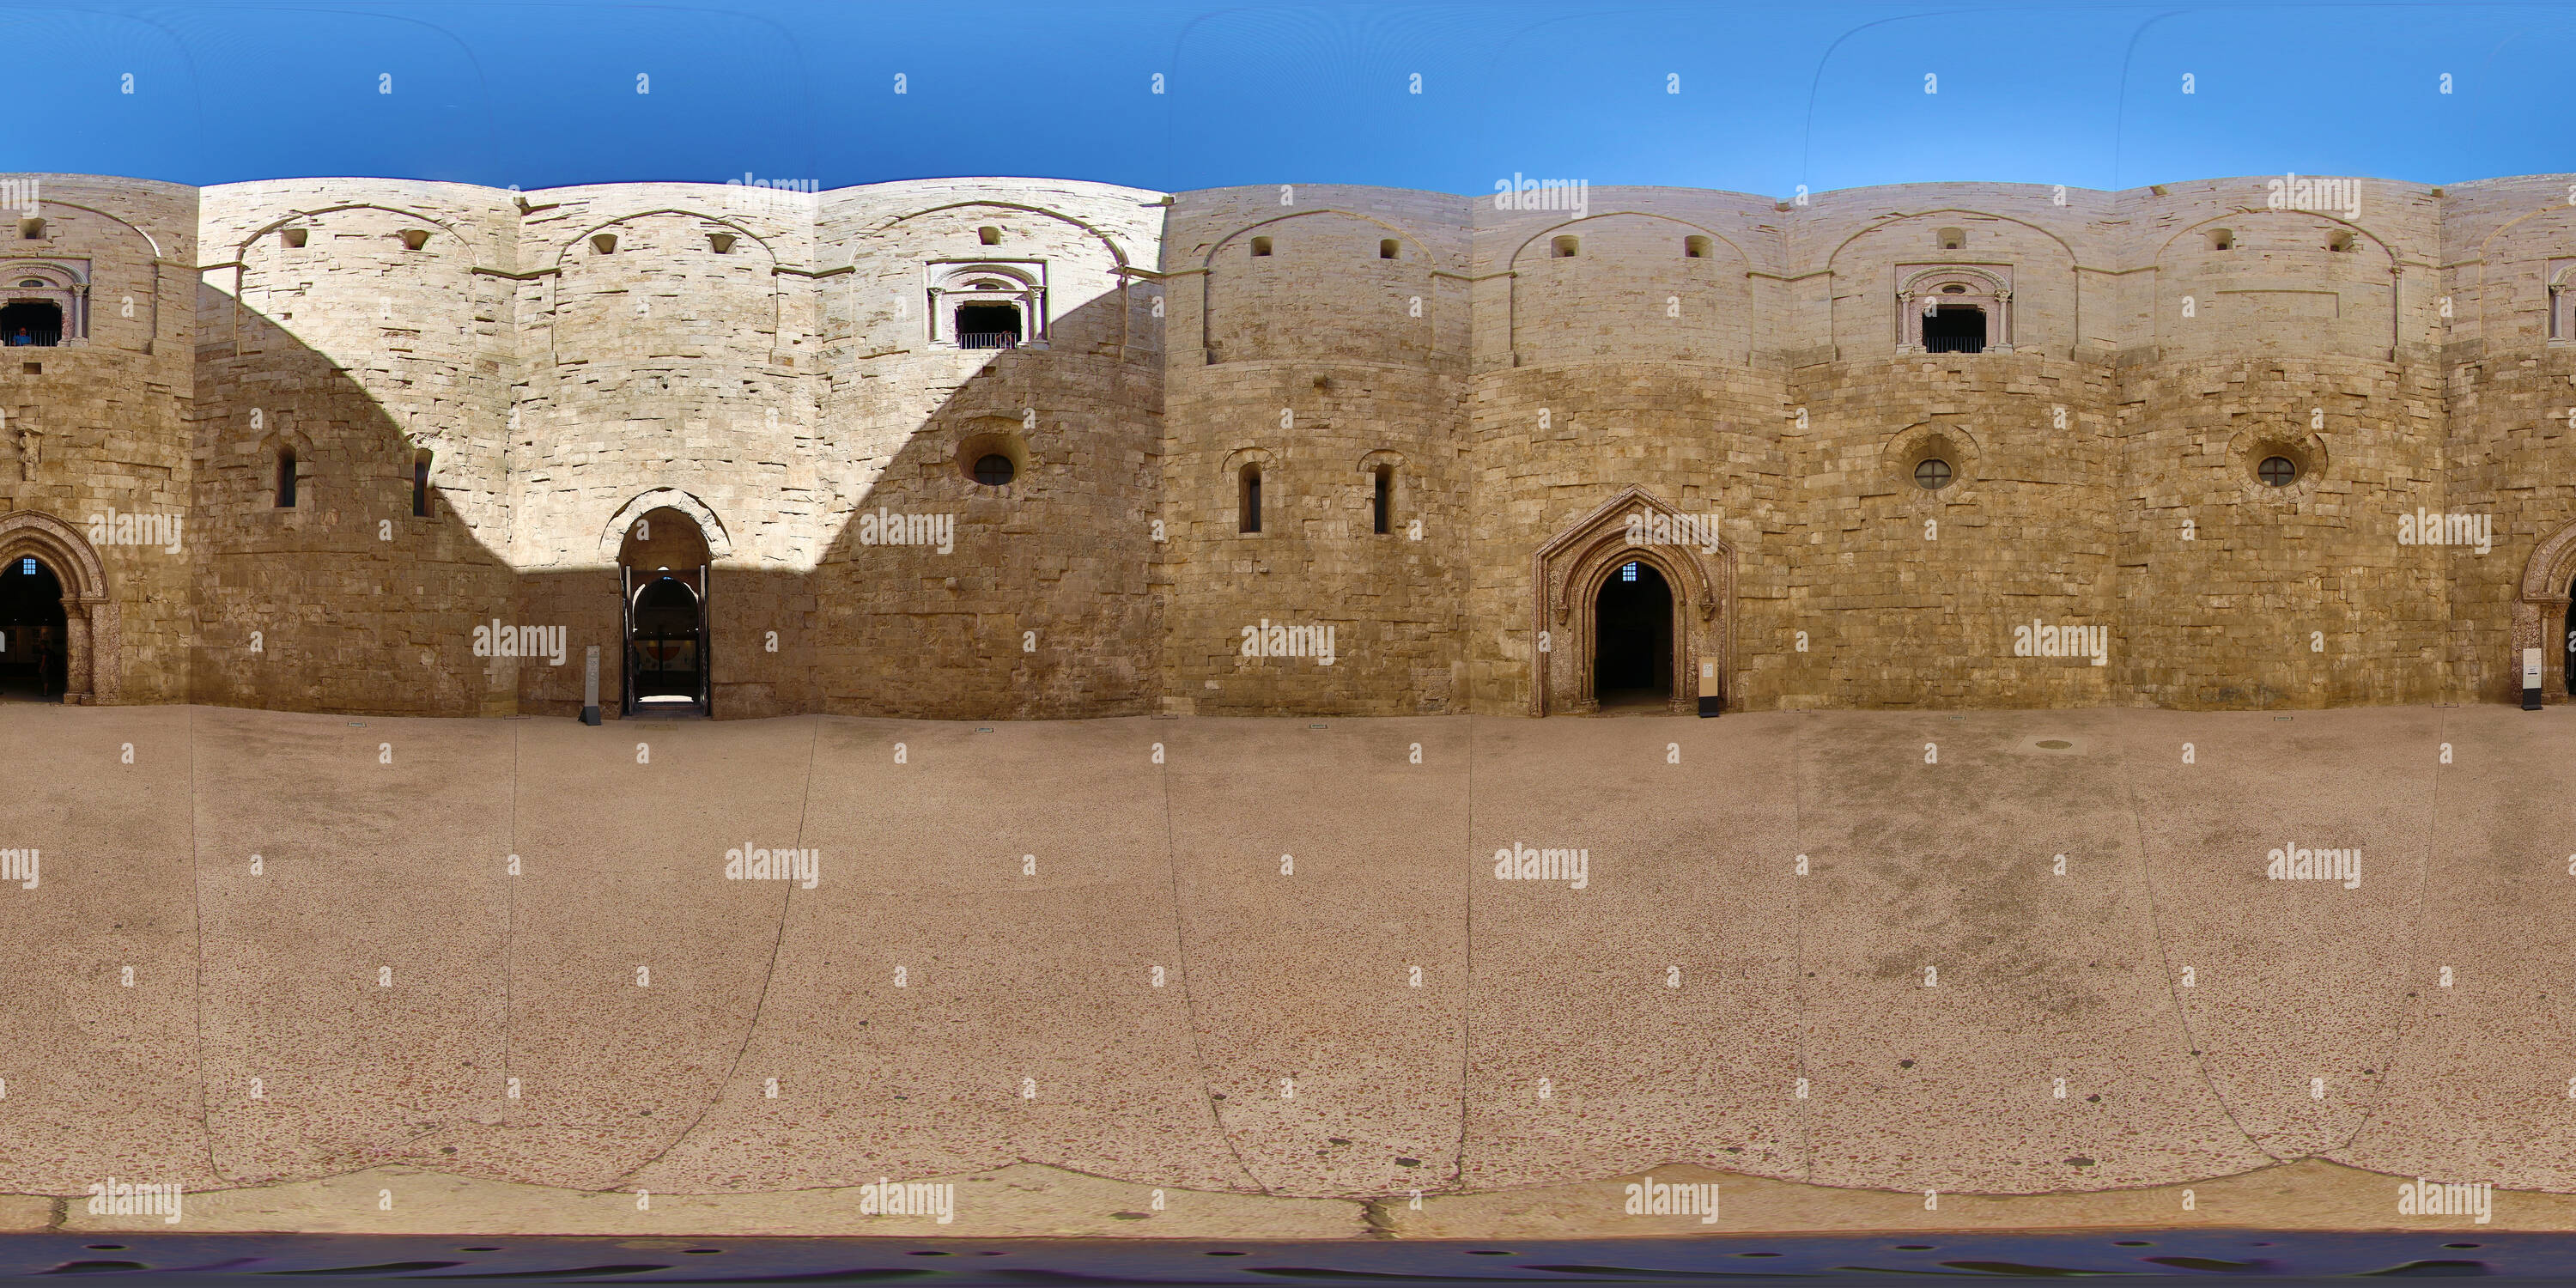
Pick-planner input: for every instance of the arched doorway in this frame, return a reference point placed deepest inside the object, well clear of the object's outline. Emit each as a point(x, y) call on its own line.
point(662, 574)
point(1632, 652)
point(34, 632)
point(87, 640)
point(1670, 636)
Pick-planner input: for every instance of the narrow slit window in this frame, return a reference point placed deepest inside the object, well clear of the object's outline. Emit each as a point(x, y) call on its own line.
point(286, 478)
point(420, 486)
point(1251, 502)
point(1382, 505)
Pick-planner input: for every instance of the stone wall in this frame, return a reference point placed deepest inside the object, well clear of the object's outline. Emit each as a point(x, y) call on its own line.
point(786, 367)
point(96, 427)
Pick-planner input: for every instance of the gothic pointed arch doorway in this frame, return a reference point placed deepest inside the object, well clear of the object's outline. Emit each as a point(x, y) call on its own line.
point(84, 652)
point(1658, 638)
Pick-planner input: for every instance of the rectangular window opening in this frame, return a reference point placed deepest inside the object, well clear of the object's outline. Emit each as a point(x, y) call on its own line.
point(988, 326)
point(1955, 328)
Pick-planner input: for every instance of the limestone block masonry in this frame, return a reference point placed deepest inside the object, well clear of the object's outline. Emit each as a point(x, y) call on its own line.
point(1022, 448)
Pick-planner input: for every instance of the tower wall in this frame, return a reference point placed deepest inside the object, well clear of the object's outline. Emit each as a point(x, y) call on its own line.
point(803, 374)
point(96, 427)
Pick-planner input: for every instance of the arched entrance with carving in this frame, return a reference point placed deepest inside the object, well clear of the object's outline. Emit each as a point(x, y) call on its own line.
point(93, 668)
point(2540, 613)
point(1567, 575)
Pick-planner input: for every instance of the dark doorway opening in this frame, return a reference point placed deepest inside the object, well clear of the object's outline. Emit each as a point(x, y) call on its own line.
point(1955, 328)
point(988, 326)
point(663, 568)
point(667, 644)
point(34, 650)
point(31, 322)
point(1632, 657)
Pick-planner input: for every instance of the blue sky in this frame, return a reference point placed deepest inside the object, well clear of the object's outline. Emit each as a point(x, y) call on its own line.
point(1769, 97)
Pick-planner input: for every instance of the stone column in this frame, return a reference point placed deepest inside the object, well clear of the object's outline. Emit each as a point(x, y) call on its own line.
point(77, 688)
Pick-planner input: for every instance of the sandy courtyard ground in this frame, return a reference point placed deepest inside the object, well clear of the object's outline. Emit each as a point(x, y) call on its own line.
point(1260, 977)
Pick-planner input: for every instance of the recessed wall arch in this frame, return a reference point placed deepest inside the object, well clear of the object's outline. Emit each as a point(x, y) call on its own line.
point(1885, 222)
point(566, 249)
point(574, 262)
point(1553, 230)
point(1116, 254)
point(93, 673)
point(2236, 219)
point(1868, 268)
point(1402, 233)
point(1635, 292)
point(151, 291)
point(2306, 296)
point(294, 216)
point(2487, 249)
point(1325, 292)
point(612, 538)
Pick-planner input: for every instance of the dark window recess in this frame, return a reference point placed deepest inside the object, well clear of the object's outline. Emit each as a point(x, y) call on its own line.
point(2277, 471)
point(31, 322)
point(1955, 328)
point(1384, 502)
point(1251, 511)
point(988, 326)
point(420, 486)
point(994, 469)
point(286, 479)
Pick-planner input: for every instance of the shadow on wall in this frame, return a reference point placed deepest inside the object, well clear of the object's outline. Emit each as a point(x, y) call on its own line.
point(1022, 594)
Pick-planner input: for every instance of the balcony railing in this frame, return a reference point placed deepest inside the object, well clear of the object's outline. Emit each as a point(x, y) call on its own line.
point(988, 339)
point(1954, 344)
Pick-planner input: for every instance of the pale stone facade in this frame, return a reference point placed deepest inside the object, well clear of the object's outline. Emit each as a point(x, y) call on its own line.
point(795, 374)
